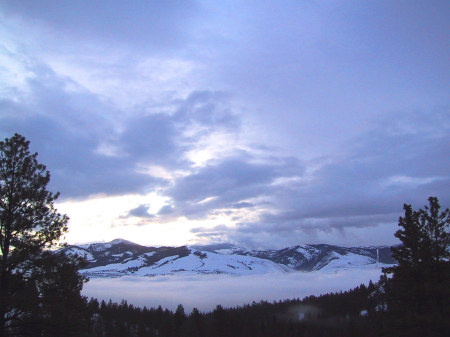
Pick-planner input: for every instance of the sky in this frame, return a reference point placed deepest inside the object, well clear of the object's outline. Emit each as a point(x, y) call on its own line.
point(260, 123)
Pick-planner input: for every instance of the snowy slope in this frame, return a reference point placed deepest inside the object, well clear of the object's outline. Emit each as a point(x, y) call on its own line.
point(120, 258)
point(350, 260)
point(211, 263)
point(195, 261)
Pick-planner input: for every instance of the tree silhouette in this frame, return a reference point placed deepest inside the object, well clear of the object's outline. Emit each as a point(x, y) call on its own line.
point(34, 282)
point(417, 294)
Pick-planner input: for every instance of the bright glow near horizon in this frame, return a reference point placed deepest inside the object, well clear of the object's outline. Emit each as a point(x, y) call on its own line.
point(103, 219)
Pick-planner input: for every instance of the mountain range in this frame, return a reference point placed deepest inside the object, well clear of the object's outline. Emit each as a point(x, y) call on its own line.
point(122, 258)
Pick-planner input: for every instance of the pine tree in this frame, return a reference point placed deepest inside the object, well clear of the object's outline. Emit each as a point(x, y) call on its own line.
point(179, 319)
point(417, 294)
point(34, 283)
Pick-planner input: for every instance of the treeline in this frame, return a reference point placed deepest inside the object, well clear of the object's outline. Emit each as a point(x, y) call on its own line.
point(349, 313)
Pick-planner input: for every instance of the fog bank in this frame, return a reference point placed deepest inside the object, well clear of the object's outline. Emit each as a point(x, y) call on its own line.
point(206, 291)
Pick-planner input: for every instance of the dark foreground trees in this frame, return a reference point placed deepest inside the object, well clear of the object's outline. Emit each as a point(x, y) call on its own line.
point(36, 284)
point(327, 315)
point(417, 295)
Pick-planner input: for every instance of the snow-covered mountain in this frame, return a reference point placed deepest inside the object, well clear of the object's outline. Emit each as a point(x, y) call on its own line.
point(120, 257)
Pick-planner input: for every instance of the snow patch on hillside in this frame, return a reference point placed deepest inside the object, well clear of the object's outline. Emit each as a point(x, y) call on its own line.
point(347, 261)
point(80, 252)
point(307, 252)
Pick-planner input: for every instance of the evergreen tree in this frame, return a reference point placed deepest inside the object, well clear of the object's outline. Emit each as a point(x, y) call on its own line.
point(195, 324)
point(34, 283)
point(179, 319)
point(417, 294)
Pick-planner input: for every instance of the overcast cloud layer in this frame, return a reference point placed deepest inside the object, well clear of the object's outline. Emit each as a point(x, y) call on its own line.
point(251, 122)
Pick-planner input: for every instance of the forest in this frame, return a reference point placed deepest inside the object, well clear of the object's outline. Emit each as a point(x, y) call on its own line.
point(40, 289)
point(328, 315)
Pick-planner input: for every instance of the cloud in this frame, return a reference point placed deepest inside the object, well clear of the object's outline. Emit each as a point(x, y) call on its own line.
point(229, 183)
point(92, 147)
point(206, 291)
point(66, 128)
point(207, 108)
point(148, 25)
point(224, 178)
point(312, 121)
point(219, 233)
point(295, 202)
point(166, 210)
point(242, 204)
point(142, 211)
point(399, 161)
point(89, 152)
point(149, 138)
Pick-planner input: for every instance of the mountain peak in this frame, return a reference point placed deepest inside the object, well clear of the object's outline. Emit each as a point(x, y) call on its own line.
point(119, 241)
